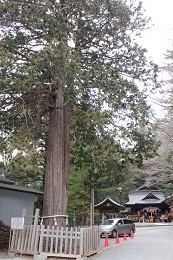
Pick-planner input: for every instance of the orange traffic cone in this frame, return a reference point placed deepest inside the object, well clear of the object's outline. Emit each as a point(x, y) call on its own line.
point(117, 240)
point(106, 241)
point(125, 238)
point(131, 234)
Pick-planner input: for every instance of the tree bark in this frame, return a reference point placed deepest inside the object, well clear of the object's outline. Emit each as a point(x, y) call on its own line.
point(57, 162)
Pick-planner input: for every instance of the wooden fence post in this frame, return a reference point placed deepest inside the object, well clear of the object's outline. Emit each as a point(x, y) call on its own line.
point(34, 228)
point(41, 239)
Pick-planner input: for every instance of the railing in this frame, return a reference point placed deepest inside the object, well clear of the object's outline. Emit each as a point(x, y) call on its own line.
point(56, 241)
point(25, 241)
point(54, 217)
point(69, 241)
point(60, 241)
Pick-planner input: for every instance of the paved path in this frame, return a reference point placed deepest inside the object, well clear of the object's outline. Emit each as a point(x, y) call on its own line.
point(149, 243)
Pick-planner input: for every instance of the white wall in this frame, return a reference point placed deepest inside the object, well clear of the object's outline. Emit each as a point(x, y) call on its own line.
point(13, 202)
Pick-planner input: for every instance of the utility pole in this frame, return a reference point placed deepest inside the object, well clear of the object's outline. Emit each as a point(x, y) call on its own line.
point(92, 208)
point(120, 190)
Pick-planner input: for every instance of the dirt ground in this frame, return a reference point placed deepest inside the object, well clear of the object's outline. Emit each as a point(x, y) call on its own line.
point(4, 256)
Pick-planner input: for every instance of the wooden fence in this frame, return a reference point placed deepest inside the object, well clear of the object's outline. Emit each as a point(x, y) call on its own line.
point(55, 241)
point(26, 240)
point(69, 241)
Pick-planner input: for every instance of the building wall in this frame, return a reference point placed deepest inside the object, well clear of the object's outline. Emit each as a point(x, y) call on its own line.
point(13, 202)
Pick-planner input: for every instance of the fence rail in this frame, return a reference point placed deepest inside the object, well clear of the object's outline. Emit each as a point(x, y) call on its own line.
point(25, 240)
point(55, 240)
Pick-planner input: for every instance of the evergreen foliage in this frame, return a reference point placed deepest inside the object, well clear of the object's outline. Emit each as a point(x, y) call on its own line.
point(85, 54)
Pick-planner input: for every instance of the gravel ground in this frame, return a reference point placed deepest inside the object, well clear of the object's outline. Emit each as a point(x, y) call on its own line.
point(4, 256)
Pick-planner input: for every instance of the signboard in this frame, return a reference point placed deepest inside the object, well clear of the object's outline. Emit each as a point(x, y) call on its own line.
point(17, 223)
point(151, 210)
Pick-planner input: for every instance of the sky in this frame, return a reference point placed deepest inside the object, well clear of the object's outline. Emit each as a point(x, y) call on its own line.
point(158, 38)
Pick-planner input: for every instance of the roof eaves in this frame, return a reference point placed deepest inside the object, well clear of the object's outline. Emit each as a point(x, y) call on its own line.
point(108, 199)
point(19, 188)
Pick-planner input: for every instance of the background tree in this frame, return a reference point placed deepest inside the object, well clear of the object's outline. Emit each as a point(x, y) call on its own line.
point(158, 170)
point(78, 56)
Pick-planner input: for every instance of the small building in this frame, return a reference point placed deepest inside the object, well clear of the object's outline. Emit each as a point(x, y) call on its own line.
point(147, 203)
point(108, 208)
point(13, 199)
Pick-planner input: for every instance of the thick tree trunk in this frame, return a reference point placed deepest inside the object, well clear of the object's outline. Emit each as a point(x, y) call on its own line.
point(57, 162)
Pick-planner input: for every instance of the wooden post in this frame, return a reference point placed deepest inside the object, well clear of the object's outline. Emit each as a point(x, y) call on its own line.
point(91, 214)
point(34, 229)
point(92, 208)
point(22, 233)
point(41, 239)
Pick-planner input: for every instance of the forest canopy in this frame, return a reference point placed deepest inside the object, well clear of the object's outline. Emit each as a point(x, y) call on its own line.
point(69, 74)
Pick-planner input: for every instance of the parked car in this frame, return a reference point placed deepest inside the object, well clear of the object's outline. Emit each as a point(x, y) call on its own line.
point(114, 225)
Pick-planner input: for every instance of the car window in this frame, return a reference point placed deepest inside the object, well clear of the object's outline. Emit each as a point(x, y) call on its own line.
point(126, 221)
point(120, 222)
point(108, 222)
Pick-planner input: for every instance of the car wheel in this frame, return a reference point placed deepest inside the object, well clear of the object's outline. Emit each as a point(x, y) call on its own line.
point(114, 233)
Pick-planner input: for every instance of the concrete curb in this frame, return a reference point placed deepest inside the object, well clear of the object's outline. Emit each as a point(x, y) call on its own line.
point(153, 224)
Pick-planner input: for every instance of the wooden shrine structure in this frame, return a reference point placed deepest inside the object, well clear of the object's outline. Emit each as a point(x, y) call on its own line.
point(108, 208)
point(147, 204)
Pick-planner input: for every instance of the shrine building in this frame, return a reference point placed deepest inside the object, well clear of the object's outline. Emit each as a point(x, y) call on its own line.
point(148, 203)
point(108, 208)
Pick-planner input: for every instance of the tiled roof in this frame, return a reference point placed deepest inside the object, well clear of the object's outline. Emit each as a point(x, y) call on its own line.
point(106, 201)
point(4, 180)
point(150, 201)
point(9, 185)
point(146, 197)
point(149, 188)
point(150, 195)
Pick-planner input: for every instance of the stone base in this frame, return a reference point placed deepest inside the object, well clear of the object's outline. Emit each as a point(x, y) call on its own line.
point(40, 257)
point(11, 255)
